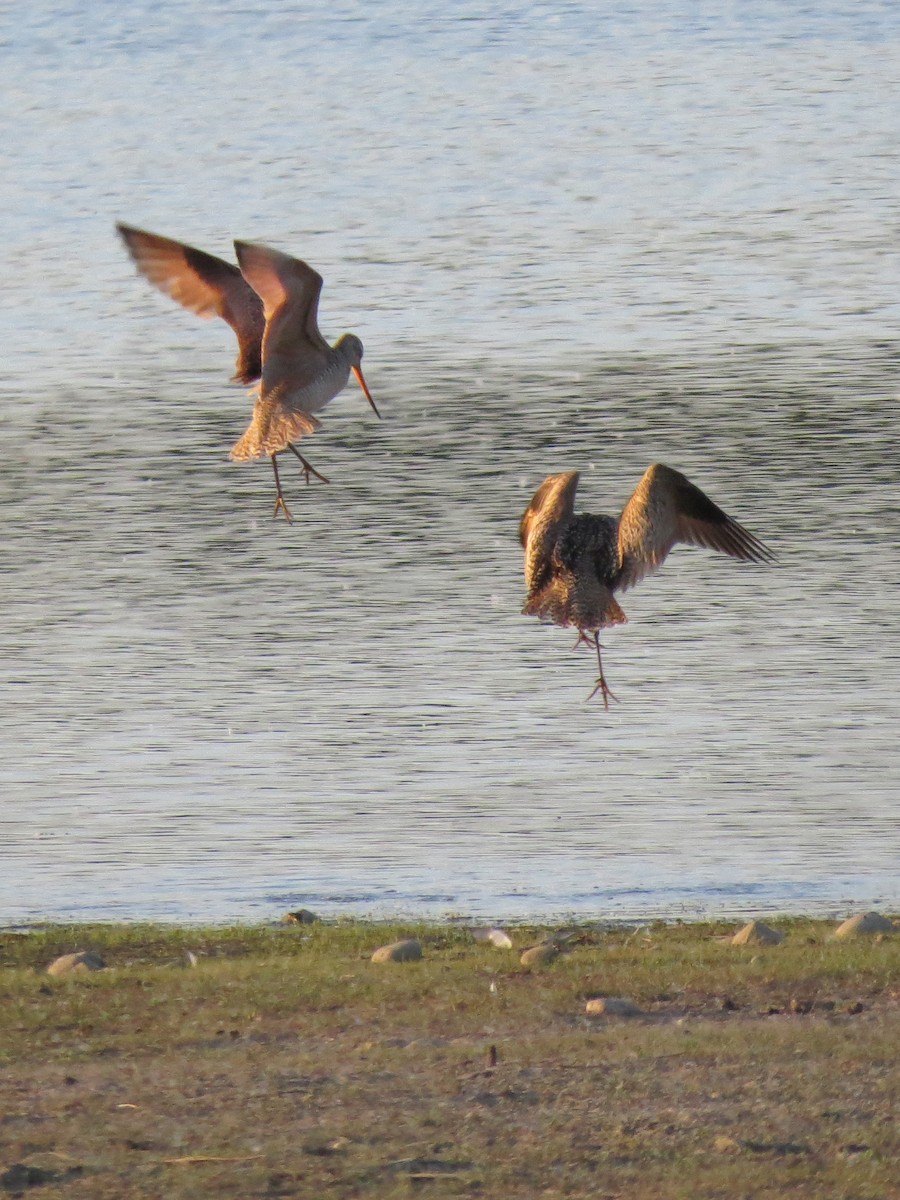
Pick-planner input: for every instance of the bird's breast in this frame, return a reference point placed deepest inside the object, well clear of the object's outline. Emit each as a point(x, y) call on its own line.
point(323, 388)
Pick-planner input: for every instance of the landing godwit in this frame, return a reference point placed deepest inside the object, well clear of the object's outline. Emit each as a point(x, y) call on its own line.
point(573, 564)
point(300, 371)
point(208, 286)
point(273, 312)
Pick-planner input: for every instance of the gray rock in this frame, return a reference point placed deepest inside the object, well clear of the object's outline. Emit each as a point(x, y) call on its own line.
point(612, 1006)
point(409, 950)
point(539, 956)
point(301, 916)
point(496, 937)
point(76, 964)
point(863, 924)
point(562, 937)
point(756, 933)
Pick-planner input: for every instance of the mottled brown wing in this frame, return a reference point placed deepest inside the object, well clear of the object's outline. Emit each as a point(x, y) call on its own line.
point(294, 351)
point(667, 508)
point(204, 284)
point(550, 511)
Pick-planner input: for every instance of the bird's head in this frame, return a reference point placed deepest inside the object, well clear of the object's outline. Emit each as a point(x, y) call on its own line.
point(352, 349)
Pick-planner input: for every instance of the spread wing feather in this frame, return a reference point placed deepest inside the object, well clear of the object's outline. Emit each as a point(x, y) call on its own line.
point(205, 285)
point(293, 348)
point(551, 509)
point(667, 508)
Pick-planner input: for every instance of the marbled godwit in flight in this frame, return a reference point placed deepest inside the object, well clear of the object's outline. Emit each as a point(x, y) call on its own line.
point(573, 564)
point(273, 312)
point(300, 371)
point(208, 286)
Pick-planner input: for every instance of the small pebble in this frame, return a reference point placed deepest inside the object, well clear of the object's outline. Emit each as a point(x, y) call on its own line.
point(758, 934)
point(539, 956)
point(497, 937)
point(76, 964)
point(726, 1145)
point(612, 1006)
point(409, 950)
point(862, 924)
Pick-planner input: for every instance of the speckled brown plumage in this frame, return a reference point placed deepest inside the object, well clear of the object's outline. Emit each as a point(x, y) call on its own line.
point(301, 373)
point(574, 564)
point(271, 301)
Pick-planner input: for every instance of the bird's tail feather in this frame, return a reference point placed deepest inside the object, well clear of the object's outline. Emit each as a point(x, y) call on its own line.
point(563, 602)
point(274, 434)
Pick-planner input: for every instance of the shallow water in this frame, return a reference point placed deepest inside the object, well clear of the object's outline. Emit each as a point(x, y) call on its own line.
point(567, 241)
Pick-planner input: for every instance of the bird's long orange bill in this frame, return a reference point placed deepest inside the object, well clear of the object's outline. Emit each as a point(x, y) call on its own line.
point(362, 383)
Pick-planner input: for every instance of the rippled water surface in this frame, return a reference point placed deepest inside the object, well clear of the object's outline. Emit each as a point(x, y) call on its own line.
point(568, 240)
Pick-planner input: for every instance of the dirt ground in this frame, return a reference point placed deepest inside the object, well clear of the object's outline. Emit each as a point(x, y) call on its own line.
point(281, 1062)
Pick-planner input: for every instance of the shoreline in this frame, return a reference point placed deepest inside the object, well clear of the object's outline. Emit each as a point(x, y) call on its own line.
point(455, 920)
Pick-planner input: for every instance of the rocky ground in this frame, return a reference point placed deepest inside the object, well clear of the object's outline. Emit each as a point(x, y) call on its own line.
point(658, 1062)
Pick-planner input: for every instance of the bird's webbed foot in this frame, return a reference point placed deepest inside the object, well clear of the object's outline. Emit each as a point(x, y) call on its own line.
point(280, 502)
point(308, 468)
point(584, 639)
point(602, 687)
point(281, 505)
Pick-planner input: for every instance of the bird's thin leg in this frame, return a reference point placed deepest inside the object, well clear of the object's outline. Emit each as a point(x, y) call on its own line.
point(280, 502)
point(308, 468)
point(601, 682)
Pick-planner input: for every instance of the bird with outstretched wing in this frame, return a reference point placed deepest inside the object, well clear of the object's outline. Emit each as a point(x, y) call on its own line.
point(575, 563)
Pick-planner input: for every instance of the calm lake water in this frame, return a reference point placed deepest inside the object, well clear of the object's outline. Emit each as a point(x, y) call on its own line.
point(568, 239)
